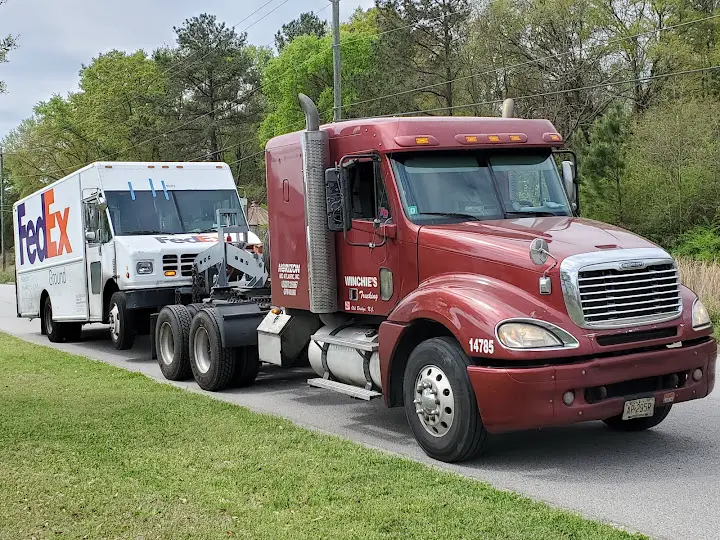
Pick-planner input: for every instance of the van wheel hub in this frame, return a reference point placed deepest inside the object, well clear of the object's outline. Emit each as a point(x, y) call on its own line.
point(114, 319)
point(434, 401)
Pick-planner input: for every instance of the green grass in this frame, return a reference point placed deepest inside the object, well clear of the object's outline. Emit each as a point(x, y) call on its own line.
point(91, 451)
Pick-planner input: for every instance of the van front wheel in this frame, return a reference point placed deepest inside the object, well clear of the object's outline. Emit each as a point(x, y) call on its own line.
point(121, 325)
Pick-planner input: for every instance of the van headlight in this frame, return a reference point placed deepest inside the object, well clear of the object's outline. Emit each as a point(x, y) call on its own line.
point(534, 334)
point(700, 316)
point(144, 268)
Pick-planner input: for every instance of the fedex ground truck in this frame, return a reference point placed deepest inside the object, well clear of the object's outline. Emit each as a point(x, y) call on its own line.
point(115, 241)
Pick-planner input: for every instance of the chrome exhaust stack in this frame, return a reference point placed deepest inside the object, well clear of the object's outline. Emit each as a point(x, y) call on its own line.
point(322, 275)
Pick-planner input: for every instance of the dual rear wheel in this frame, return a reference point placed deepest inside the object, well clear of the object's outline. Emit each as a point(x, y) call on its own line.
point(189, 343)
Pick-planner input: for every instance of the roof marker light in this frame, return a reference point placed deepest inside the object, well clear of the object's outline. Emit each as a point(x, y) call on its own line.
point(471, 138)
point(422, 140)
point(493, 138)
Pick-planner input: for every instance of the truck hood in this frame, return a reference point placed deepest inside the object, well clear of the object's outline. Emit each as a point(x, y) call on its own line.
point(508, 241)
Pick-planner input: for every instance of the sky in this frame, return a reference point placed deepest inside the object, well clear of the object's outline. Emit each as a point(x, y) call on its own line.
point(56, 37)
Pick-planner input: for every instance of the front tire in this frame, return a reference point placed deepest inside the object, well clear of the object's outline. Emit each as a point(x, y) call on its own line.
point(172, 338)
point(213, 366)
point(122, 327)
point(639, 424)
point(440, 402)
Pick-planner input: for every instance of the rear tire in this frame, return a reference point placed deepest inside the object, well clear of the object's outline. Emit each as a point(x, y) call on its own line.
point(639, 424)
point(53, 330)
point(122, 329)
point(445, 419)
point(247, 365)
point(213, 366)
point(172, 337)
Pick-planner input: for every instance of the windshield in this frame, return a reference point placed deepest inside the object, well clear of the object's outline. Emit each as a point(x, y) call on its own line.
point(474, 186)
point(181, 212)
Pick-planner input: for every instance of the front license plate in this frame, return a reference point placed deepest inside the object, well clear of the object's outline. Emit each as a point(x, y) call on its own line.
point(639, 408)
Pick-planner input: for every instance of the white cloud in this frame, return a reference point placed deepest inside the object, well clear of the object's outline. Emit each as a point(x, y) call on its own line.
point(56, 38)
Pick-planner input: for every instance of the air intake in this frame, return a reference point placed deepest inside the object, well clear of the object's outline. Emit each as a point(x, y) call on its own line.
point(320, 241)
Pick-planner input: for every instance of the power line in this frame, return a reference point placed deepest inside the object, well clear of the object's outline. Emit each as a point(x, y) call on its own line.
point(528, 62)
point(559, 92)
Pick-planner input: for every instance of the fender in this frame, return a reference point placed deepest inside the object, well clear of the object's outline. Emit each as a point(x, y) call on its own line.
point(470, 306)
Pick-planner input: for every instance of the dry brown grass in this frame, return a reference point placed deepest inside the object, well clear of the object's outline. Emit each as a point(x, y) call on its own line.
point(704, 279)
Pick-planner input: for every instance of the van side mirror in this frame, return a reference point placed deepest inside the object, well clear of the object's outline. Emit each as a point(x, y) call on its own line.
point(90, 237)
point(339, 196)
point(101, 204)
point(568, 174)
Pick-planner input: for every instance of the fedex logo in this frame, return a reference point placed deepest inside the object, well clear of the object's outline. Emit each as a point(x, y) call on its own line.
point(36, 237)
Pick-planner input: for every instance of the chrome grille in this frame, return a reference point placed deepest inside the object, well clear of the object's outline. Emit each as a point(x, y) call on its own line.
point(621, 288)
point(610, 294)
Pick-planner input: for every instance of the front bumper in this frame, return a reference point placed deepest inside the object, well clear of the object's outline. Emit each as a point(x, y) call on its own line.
point(524, 398)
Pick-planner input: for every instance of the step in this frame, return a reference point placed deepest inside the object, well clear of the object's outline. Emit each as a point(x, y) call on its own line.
point(369, 346)
point(342, 388)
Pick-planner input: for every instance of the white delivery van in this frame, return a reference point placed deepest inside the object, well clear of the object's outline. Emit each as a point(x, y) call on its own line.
point(116, 241)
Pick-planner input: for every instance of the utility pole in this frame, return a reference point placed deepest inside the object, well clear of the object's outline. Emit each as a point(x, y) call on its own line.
point(2, 210)
point(337, 66)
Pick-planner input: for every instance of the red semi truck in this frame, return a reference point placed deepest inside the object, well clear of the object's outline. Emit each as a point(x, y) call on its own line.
point(440, 263)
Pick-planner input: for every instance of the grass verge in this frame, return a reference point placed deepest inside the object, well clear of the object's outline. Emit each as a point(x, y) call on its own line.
point(91, 451)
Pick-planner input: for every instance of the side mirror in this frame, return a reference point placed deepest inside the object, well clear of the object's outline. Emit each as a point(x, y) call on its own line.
point(568, 174)
point(90, 237)
point(101, 204)
point(339, 196)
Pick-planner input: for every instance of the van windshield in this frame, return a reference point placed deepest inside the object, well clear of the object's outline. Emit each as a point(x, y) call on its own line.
point(181, 212)
point(474, 186)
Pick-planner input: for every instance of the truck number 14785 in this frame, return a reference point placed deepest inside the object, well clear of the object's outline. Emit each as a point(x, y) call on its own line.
point(484, 346)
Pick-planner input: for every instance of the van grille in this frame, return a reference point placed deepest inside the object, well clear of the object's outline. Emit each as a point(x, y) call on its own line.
point(170, 263)
point(186, 264)
point(611, 295)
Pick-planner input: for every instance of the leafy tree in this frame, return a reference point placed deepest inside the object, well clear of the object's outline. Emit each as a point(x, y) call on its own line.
point(426, 37)
point(7, 44)
point(602, 166)
point(673, 169)
point(213, 85)
point(308, 24)
point(306, 65)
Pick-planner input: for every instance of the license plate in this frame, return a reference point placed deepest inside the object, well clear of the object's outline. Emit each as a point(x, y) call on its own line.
point(639, 408)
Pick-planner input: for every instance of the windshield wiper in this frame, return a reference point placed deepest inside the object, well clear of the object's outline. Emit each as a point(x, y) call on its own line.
point(451, 214)
point(532, 213)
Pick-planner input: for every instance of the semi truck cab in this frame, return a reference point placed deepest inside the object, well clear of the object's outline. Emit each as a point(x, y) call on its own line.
point(450, 256)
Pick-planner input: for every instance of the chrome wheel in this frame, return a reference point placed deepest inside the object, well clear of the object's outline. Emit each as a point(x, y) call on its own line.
point(434, 401)
point(114, 319)
point(202, 350)
point(167, 344)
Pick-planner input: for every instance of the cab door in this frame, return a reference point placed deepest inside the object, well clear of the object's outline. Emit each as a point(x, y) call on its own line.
point(368, 253)
point(99, 254)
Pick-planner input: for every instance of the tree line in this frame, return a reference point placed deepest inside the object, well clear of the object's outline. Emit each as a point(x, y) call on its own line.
point(634, 85)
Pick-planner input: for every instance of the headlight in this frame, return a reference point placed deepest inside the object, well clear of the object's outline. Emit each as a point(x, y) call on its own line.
point(700, 316)
point(516, 335)
point(144, 267)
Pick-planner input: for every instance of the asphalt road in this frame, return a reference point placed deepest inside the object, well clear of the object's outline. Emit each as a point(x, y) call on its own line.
point(664, 482)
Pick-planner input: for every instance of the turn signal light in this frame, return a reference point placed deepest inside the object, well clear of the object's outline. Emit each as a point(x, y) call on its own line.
point(170, 273)
point(275, 311)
